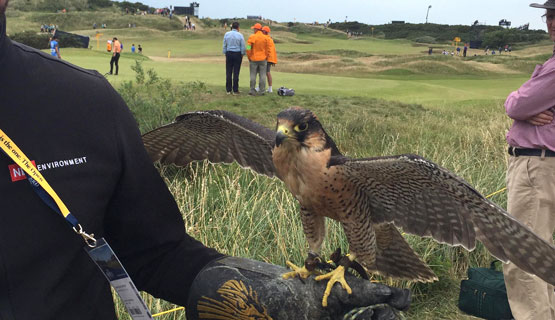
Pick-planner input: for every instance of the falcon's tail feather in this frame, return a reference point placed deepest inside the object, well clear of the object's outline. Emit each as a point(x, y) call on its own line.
point(396, 259)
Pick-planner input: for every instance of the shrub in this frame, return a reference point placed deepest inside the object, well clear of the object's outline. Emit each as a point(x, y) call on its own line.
point(510, 36)
point(494, 35)
point(41, 40)
point(32, 39)
point(133, 6)
point(212, 23)
point(50, 5)
point(100, 3)
point(155, 101)
point(114, 20)
point(353, 26)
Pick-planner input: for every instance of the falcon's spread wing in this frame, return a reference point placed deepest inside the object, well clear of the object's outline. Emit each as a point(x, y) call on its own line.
point(427, 200)
point(218, 136)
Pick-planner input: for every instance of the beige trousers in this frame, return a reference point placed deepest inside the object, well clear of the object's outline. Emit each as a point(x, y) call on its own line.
point(531, 200)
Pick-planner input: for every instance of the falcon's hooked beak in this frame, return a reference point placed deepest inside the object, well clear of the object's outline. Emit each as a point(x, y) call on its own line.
point(283, 132)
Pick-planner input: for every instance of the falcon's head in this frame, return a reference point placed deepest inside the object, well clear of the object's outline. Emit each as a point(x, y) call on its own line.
point(297, 127)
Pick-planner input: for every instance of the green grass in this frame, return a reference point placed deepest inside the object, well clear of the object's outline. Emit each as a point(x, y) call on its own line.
point(374, 97)
point(435, 90)
point(80, 20)
point(364, 46)
point(223, 204)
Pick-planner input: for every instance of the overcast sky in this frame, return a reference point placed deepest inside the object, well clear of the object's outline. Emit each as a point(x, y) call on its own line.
point(371, 11)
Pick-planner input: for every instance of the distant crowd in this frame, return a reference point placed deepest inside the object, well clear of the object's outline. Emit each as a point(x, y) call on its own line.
point(50, 28)
point(457, 52)
point(102, 25)
point(188, 25)
point(110, 46)
point(500, 50)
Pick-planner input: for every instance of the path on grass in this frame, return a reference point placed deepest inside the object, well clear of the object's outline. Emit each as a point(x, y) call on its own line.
point(194, 20)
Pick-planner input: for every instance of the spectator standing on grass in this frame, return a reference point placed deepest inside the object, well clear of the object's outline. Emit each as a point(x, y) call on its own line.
point(109, 45)
point(234, 49)
point(272, 58)
point(458, 51)
point(258, 51)
point(133, 48)
point(140, 49)
point(116, 49)
point(55, 47)
point(531, 177)
point(465, 50)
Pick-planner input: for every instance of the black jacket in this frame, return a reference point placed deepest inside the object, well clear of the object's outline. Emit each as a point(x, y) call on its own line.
point(85, 142)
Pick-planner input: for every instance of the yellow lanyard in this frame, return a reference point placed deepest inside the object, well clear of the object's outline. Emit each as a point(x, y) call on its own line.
point(11, 149)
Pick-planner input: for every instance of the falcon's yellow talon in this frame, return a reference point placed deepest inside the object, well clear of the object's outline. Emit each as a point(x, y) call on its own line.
point(337, 275)
point(297, 271)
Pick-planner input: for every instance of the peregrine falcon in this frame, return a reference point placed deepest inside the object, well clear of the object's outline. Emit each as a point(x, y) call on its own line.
point(370, 197)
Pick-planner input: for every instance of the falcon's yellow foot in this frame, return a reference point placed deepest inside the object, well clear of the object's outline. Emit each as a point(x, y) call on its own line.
point(337, 275)
point(297, 271)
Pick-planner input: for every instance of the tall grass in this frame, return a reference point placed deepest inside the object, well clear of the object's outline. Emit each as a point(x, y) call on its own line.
point(84, 20)
point(243, 214)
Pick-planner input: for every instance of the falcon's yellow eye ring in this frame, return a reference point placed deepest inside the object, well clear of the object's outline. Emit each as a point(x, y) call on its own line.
point(301, 127)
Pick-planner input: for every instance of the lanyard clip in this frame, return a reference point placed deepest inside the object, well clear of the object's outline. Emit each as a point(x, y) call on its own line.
point(88, 238)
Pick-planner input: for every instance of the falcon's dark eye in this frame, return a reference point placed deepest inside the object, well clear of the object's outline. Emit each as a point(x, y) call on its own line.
point(301, 127)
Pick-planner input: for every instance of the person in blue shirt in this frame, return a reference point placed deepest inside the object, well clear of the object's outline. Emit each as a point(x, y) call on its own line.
point(133, 48)
point(55, 48)
point(234, 50)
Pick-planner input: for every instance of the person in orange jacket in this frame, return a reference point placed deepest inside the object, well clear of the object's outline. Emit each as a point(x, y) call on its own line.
point(272, 58)
point(258, 51)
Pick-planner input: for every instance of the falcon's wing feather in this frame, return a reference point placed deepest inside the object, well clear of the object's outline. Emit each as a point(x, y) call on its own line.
point(427, 200)
point(217, 136)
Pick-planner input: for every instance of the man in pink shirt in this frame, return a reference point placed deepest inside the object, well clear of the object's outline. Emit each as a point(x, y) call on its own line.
point(531, 177)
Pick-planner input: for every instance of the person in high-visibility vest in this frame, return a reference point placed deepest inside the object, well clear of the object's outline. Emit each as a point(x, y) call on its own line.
point(257, 52)
point(109, 46)
point(272, 58)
